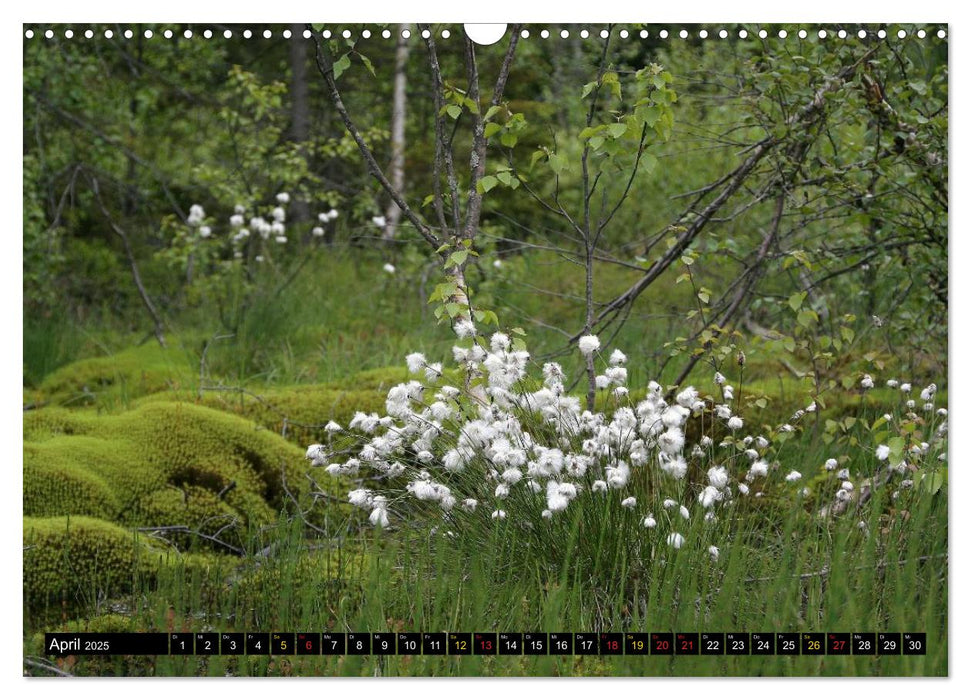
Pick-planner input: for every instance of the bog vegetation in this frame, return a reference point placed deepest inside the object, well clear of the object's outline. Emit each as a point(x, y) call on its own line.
point(618, 333)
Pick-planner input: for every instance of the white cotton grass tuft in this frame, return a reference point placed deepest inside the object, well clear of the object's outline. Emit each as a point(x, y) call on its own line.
point(718, 477)
point(464, 328)
point(360, 498)
point(389, 268)
point(196, 215)
point(589, 344)
point(416, 362)
point(617, 358)
point(883, 452)
point(317, 454)
point(629, 502)
point(676, 540)
point(379, 516)
point(433, 372)
point(649, 522)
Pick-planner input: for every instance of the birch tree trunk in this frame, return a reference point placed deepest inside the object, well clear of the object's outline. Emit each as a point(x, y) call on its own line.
point(396, 169)
point(299, 110)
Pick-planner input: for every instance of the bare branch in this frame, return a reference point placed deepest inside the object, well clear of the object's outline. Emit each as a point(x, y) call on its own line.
point(132, 264)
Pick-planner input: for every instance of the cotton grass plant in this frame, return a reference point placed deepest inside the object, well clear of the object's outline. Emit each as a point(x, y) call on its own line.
point(510, 459)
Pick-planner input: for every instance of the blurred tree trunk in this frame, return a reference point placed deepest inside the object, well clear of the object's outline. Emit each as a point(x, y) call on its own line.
point(299, 110)
point(396, 170)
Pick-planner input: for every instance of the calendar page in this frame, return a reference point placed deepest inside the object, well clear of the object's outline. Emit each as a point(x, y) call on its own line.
point(536, 349)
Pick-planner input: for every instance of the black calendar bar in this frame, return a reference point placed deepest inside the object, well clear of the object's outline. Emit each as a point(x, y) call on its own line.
point(487, 643)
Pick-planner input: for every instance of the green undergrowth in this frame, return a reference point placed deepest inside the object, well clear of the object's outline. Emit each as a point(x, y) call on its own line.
point(787, 575)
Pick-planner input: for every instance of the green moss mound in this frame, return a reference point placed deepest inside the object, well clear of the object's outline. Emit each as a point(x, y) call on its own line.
point(71, 559)
point(116, 379)
point(379, 380)
point(299, 413)
point(164, 463)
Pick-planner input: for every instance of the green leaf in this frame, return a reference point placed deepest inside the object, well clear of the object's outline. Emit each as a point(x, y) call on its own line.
point(795, 301)
point(932, 483)
point(453, 309)
point(648, 163)
point(806, 318)
point(454, 111)
point(341, 65)
point(491, 129)
point(367, 64)
point(617, 130)
point(457, 258)
point(649, 115)
point(558, 163)
point(487, 183)
point(896, 445)
point(789, 344)
point(491, 112)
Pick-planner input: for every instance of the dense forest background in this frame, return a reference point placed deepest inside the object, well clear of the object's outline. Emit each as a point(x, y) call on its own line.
point(122, 136)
